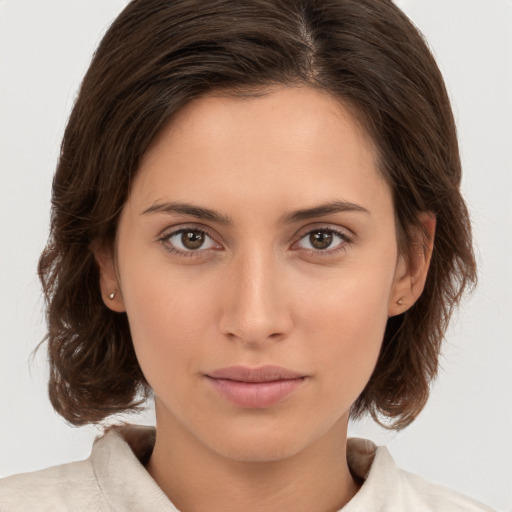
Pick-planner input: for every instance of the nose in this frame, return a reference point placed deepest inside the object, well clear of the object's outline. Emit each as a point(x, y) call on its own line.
point(255, 304)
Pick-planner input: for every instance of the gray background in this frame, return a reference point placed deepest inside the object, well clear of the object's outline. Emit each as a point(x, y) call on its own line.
point(463, 439)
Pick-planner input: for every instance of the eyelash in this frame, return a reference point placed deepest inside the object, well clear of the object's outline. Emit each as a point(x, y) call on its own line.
point(165, 240)
point(343, 245)
point(346, 240)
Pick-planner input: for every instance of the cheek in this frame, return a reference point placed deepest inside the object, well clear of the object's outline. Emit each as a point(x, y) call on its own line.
point(348, 321)
point(168, 318)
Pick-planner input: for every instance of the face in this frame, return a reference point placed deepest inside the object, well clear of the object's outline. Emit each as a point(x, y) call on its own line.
point(256, 259)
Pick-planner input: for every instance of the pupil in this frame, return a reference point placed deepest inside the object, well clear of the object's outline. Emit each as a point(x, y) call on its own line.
point(320, 239)
point(192, 239)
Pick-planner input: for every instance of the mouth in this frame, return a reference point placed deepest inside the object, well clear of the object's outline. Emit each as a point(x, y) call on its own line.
point(255, 388)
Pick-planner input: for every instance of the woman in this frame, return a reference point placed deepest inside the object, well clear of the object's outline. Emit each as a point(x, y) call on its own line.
point(250, 223)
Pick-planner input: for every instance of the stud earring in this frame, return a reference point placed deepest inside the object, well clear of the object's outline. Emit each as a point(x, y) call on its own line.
point(400, 301)
point(112, 295)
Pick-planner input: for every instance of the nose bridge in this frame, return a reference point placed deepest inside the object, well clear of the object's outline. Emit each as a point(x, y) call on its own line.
point(255, 308)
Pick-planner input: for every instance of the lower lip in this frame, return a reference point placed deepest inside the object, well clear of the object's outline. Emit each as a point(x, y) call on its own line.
point(256, 395)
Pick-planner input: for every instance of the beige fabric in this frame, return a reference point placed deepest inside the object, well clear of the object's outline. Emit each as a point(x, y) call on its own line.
point(113, 479)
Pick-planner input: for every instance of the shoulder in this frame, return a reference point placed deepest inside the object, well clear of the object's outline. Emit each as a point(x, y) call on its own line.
point(391, 489)
point(432, 497)
point(112, 478)
point(67, 487)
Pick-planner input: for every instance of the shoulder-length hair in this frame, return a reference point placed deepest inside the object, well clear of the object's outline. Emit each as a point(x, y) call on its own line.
point(160, 54)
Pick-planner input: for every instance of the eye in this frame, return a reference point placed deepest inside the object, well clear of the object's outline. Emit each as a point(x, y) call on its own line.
point(188, 240)
point(323, 240)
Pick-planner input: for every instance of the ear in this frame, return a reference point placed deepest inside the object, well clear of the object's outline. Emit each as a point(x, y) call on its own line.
point(412, 269)
point(109, 283)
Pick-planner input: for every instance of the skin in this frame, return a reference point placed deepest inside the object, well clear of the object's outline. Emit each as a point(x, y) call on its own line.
point(258, 291)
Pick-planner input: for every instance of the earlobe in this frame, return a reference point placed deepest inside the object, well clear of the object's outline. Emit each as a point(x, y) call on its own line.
point(411, 272)
point(109, 283)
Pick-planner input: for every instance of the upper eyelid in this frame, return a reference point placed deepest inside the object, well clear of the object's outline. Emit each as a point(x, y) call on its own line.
point(298, 233)
point(173, 230)
point(342, 231)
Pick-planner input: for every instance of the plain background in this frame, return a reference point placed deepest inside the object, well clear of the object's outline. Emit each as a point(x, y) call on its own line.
point(463, 439)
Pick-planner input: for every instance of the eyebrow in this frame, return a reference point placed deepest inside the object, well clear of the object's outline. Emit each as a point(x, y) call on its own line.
point(189, 209)
point(321, 210)
point(288, 218)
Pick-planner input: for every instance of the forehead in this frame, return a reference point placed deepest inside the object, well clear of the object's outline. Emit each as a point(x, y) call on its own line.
point(297, 114)
point(289, 143)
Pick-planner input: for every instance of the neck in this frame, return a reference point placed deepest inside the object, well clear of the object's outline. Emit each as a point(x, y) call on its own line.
point(194, 477)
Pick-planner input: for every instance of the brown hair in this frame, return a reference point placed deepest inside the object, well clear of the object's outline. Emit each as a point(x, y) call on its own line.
point(160, 54)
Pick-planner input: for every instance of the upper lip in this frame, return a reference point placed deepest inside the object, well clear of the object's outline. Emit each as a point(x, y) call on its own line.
point(267, 373)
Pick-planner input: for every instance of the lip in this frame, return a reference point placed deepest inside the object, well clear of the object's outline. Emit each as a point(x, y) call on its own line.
point(255, 388)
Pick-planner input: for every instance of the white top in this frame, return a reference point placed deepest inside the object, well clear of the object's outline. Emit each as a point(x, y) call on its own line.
point(113, 478)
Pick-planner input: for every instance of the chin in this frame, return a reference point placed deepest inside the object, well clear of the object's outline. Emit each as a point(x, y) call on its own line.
point(265, 442)
point(262, 449)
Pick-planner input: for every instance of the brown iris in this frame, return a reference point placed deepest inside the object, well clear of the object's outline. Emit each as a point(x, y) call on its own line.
point(192, 239)
point(320, 239)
